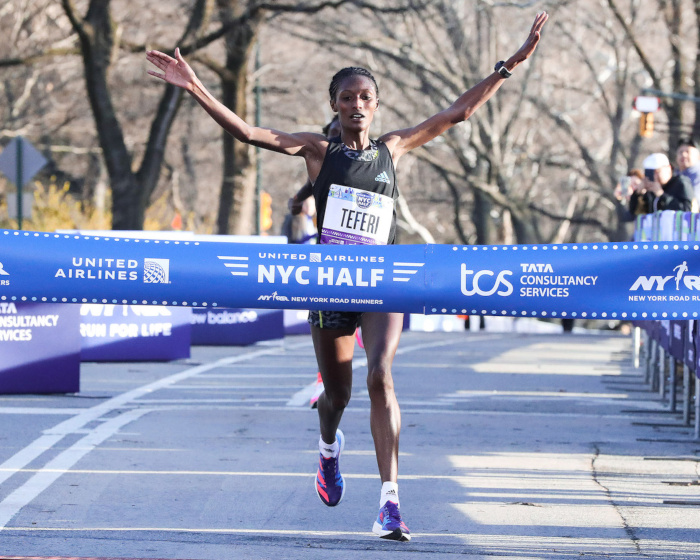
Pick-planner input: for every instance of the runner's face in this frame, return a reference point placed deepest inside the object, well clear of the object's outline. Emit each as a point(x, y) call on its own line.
point(356, 102)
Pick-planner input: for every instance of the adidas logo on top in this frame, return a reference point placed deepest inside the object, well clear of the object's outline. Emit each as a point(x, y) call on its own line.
point(383, 177)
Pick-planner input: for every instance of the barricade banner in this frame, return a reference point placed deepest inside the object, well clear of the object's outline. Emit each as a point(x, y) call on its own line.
point(121, 333)
point(689, 345)
point(644, 230)
point(39, 348)
point(697, 354)
point(632, 280)
point(677, 339)
point(665, 225)
point(663, 334)
point(236, 327)
point(684, 226)
point(296, 322)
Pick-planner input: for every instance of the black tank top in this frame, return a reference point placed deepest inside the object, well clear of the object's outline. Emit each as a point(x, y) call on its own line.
point(371, 170)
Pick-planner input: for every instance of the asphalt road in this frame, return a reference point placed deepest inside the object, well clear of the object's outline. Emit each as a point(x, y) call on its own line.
point(513, 446)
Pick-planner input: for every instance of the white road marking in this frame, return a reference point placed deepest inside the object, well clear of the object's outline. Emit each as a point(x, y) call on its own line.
point(40, 410)
point(78, 422)
point(208, 401)
point(301, 397)
point(23, 495)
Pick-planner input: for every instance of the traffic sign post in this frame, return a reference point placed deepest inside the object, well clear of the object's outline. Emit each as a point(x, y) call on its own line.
point(19, 182)
point(21, 161)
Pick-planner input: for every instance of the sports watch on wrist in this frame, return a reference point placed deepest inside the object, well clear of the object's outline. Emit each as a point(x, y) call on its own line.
point(502, 70)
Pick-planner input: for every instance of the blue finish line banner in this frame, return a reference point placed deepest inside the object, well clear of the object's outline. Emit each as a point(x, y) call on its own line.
point(631, 280)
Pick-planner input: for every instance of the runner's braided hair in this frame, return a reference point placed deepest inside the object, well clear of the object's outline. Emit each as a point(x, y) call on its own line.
point(346, 73)
point(327, 128)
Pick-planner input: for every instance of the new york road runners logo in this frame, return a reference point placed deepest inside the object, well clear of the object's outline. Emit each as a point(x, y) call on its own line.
point(658, 283)
point(273, 297)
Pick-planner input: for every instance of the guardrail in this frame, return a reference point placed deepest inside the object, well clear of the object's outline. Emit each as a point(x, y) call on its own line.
point(669, 347)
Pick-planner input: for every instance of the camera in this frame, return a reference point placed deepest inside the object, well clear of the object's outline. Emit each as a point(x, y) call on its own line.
point(650, 174)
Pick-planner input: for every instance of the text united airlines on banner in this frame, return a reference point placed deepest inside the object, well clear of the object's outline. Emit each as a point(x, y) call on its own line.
point(630, 280)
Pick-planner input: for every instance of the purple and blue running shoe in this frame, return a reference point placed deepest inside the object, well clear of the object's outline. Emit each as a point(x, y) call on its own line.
point(330, 485)
point(389, 524)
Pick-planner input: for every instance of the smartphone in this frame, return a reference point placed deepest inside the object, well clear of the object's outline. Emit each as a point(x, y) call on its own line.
point(650, 174)
point(625, 183)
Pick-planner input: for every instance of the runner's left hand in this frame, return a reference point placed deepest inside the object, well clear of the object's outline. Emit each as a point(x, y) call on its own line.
point(530, 44)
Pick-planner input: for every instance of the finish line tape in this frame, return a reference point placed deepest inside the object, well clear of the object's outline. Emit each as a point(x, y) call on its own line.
point(632, 280)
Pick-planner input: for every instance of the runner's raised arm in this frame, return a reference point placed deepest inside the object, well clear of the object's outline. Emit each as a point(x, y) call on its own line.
point(402, 141)
point(178, 72)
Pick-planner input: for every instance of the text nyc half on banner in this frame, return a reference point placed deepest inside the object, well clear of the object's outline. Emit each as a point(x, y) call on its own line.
point(603, 280)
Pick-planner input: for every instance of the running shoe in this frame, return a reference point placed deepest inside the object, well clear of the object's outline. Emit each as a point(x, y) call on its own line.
point(330, 485)
point(313, 402)
point(389, 524)
point(358, 337)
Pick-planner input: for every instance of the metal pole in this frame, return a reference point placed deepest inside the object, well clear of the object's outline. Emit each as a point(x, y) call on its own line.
point(656, 349)
point(672, 385)
point(686, 395)
point(662, 373)
point(20, 180)
point(636, 343)
point(648, 344)
point(680, 96)
point(697, 408)
point(258, 151)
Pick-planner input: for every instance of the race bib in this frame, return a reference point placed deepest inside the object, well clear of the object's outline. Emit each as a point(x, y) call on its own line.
point(356, 217)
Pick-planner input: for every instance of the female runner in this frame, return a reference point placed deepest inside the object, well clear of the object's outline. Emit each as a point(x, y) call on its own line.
point(362, 167)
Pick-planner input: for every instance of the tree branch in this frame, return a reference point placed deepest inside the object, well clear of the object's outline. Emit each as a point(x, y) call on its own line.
point(38, 57)
point(572, 219)
point(635, 44)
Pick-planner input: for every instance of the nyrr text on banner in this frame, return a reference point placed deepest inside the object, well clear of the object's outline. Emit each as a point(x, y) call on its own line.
point(631, 280)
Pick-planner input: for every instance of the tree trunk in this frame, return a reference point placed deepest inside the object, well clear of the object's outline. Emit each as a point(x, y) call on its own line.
point(525, 233)
point(481, 217)
point(237, 197)
point(130, 191)
point(96, 40)
point(696, 71)
point(675, 106)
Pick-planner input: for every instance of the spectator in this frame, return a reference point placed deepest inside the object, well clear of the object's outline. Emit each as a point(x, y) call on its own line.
point(300, 223)
point(661, 190)
point(688, 161)
point(628, 184)
point(303, 226)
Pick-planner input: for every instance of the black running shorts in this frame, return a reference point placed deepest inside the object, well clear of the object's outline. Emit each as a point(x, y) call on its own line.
point(335, 319)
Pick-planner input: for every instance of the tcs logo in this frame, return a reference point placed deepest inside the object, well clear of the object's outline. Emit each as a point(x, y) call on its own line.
point(500, 286)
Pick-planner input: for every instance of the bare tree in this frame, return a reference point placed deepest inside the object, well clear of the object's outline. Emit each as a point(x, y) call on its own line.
point(670, 70)
point(241, 23)
point(538, 163)
point(436, 55)
point(131, 189)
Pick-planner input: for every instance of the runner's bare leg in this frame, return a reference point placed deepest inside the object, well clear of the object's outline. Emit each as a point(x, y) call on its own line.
point(381, 333)
point(334, 349)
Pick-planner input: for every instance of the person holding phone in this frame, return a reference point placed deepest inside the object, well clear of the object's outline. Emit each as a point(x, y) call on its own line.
point(661, 190)
point(628, 185)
